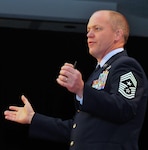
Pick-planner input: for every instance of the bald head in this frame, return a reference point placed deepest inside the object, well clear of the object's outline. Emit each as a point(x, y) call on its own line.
point(116, 20)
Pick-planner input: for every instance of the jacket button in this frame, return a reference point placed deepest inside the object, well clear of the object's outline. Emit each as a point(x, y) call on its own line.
point(74, 125)
point(71, 143)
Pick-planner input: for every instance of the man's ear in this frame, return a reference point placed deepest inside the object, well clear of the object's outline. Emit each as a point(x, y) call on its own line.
point(118, 34)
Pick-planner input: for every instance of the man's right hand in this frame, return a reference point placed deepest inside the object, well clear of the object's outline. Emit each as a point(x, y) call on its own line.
point(21, 115)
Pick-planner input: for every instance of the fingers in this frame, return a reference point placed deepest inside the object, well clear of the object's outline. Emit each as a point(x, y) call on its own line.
point(64, 74)
point(24, 99)
point(10, 115)
point(62, 83)
point(68, 64)
point(14, 108)
point(67, 71)
point(63, 78)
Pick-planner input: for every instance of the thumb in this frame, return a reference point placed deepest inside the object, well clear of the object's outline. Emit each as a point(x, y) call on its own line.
point(24, 99)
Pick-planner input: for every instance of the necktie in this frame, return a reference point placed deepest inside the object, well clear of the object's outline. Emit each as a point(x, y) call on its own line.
point(97, 67)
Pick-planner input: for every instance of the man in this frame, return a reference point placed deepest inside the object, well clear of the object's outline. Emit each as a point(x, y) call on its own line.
point(110, 106)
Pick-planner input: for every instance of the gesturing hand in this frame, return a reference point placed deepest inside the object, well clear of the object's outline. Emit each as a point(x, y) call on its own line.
point(21, 115)
point(71, 78)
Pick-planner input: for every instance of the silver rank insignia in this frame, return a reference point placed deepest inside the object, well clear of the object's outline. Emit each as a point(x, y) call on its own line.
point(128, 85)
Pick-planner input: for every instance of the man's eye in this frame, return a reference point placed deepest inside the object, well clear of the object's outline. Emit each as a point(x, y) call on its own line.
point(98, 28)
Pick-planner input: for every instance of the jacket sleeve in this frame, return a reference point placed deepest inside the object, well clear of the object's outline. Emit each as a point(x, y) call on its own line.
point(49, 128)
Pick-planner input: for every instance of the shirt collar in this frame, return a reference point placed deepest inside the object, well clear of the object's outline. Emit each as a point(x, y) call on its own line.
point(109, 55)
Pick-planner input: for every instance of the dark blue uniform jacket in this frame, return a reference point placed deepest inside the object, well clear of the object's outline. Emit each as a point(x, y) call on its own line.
point(112, 114)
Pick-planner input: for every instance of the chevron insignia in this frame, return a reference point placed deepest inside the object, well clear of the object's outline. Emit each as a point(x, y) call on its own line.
point(128, 85)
